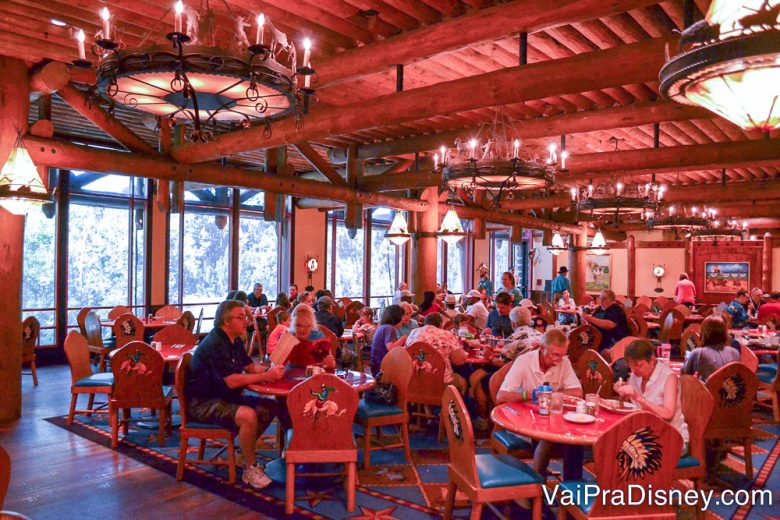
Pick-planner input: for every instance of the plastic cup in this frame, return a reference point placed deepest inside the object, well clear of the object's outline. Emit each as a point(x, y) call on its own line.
point(556, 402)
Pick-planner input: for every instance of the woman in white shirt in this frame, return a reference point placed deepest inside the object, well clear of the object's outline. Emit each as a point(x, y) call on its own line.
point(567, 303)
point(653, 386)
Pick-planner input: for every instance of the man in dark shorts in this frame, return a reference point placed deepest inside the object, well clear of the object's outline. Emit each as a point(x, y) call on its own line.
point(219, 371)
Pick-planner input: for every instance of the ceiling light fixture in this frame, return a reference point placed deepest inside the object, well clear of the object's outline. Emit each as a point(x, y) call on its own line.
point(398, 233)
point(21, 187)
point(729, 63)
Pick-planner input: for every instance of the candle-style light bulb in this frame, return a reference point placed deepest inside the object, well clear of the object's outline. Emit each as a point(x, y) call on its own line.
point(473, 145)
point(552, 159)
point(80, 39)
point(435, 161)
point(307, 60)
point(178, 9)
point(259, 34)
point(443, 151)
point(516, 151)
point(574, 194)
point(564, 156)
point(619, 188)
point(590, 190)
point(106, 16)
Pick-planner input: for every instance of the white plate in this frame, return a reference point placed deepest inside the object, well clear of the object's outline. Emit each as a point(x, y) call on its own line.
point(613, 405)
point(579, 418)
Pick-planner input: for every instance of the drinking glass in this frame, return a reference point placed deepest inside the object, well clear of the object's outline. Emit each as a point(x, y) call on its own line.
point(592, 404)
point(556, 402)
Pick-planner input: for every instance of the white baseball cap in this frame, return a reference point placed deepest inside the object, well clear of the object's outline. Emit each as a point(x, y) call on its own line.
point(474, 294)
point(525, 303)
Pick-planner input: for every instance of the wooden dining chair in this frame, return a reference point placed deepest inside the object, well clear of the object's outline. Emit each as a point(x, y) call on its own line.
point(727, 320)
point(733, 387)
point(186, 320)
point(118, 311)
point(661, 302)
point(646, 301)
point(5, 474)
point(255, 342)
point(748, 358)
point(697, 405)
point(138, 372)
point(397, 370)
point(204, 432)
point(672, 322)
point(322, 409)
point(639, 450)
point(769, 384)
point(618, 349)
point(641, 308)
point(683, 309)
point(94, 337)
point(271, 317)
point(595, 374)
point(351, 316)
point(641, 324)
point(31, 334)
point(487, 477)
point(83, 380)
point(539, 323)
point(584, 300)
point(127, 328)
point(427, 384)
point(169, 312)
point(691, 338)
point(501, 440)
point(80, 317)
point(581, 339)
point(174, 334)
point(332, 339)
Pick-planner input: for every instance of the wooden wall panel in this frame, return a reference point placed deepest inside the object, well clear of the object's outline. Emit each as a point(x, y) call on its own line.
point(736, 251)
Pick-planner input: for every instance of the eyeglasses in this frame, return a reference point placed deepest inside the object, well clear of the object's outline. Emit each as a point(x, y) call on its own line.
point(241, 317)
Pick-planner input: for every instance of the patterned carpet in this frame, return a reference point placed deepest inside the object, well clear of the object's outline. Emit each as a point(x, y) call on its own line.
point(392, 488)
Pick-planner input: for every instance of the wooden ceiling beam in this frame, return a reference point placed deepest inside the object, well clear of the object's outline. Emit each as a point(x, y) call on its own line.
point(63, 155)
point(578, 122)
point(320, 163)
point(510, 218)
point(100, 118)
point(456, 33)
point(617, 67)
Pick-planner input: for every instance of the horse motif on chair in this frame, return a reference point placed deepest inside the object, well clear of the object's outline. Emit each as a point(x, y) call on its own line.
point(421, 365)
point(639, 454)
point(321, 404)
point(133, 365)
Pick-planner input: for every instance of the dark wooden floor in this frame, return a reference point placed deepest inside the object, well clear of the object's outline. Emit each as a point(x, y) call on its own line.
point(59, 475)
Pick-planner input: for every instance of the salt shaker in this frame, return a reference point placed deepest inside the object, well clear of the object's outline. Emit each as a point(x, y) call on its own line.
point(581, 407)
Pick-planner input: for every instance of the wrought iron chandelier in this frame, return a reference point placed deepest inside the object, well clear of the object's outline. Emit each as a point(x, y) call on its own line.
point(717, 231)
point(618, 201)
point(204, 83)
point(729, 63)
point(491, 161)
point(682, 221)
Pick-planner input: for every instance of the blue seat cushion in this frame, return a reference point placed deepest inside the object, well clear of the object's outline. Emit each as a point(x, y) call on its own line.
point(367, 409)
point(167, 391)
point(100, 379)
point(767, 372)
point(578, 489)
point(504, 470)
point(512, 441)
point(688, 461)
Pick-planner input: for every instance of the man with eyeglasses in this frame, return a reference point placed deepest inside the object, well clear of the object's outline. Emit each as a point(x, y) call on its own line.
point(219, 371)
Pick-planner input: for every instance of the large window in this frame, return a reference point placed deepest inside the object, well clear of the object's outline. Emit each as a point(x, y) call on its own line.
point(259, 246)
point(386, 260)
point(347, 255)
point(506, 256)
point(39, 268)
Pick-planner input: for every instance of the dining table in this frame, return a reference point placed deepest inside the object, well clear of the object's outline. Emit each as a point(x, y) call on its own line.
point(154, 323)
point(523, 419)
point(655, 317)
point(360, 381)
point(171, 352)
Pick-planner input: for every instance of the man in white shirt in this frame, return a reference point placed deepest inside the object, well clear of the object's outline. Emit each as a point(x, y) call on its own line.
point(476, 309)
point(550, 365)
point(403, 286)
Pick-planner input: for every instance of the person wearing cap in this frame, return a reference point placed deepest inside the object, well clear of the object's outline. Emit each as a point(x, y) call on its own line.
point(484, 281)
point(561, 283)
point(450, 301)
point(407, 296)
point(398, 294)
point(476, 309)
point(508, 282)
point(326, 317)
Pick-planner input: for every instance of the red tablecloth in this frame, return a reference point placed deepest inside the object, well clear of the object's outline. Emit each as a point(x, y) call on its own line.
point(517, 418)
point(156, 323)
point(360, 381)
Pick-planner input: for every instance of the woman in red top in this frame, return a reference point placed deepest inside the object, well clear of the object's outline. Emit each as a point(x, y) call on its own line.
point(685, 291)
point(314, 347)
point(429, 305)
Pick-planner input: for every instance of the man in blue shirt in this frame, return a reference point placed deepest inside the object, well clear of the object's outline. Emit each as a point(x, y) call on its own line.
point(219, 371)
point(498, 322)
point(560, 283)
point(738, 309)
point(484, 281)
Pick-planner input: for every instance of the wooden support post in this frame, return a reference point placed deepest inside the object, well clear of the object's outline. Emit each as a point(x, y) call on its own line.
point(353, 219)
point(274, 203)
point(766, 271)
point(15, 103)
point(61, 274)
point(631, 261)
point(424, 249)
point(516, 235)
point(688, 257)
point(479, 223)
point(577, 263)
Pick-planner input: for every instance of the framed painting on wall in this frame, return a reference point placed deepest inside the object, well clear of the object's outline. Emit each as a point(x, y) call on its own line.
point(726, 277)
point(598, 272)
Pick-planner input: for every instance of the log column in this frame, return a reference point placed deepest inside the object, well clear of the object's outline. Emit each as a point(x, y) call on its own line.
point(766, 272)
point(14, 106)
point(577, 262)
point(424, 245)
point(631, 261)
